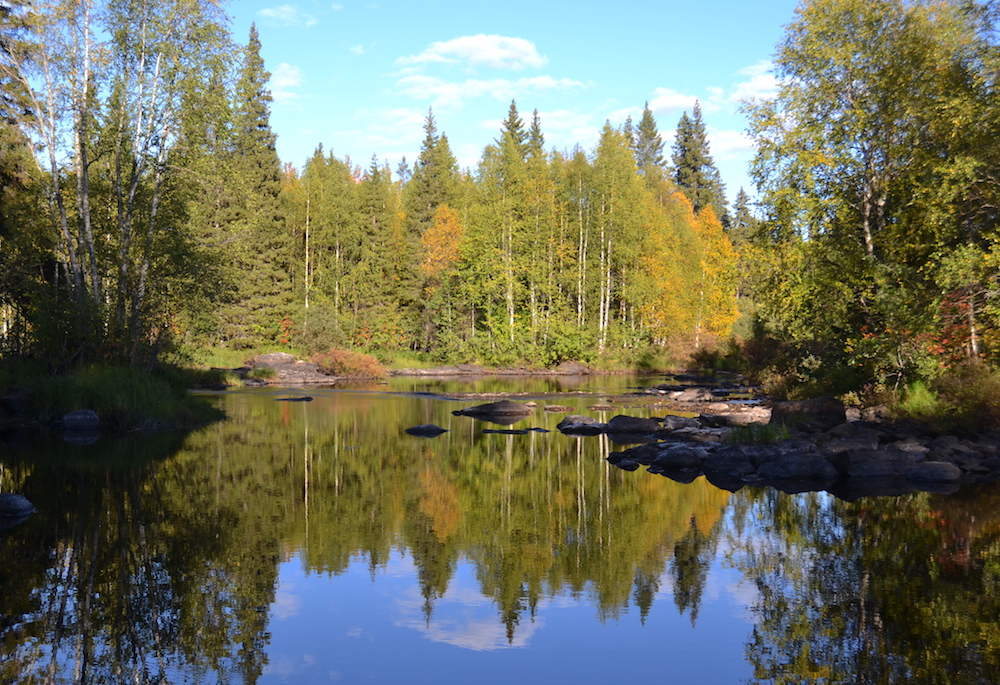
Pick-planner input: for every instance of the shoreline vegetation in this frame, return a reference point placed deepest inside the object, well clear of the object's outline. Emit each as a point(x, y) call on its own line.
point(866, 267)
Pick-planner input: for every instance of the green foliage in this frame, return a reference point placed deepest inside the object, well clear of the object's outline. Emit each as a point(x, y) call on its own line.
point(348, 364)
point(965, 398)
point(758, 434)
point(124, 398)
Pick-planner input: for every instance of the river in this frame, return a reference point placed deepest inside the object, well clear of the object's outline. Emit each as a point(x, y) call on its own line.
point(317, 542)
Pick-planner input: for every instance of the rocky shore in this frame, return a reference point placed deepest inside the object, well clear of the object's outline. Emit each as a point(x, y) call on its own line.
point(800, 446)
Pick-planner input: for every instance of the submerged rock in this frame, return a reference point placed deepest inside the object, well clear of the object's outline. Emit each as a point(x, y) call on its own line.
point(494, 410)
point(15, 506)
point(426, 430)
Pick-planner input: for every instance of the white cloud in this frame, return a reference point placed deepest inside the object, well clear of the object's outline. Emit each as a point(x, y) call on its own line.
point(284, 79)
point(357, 50)
point(729, 144)
point(761, 85)
point(286, 15)
point(497, 52)
point(669, 101)
point(336, 7)
point(445, 94)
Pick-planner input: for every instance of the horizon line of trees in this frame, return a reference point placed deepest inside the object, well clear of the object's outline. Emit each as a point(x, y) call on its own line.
point(145, 210)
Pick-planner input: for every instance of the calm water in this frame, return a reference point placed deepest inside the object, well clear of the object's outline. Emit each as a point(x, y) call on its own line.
point(317, 542)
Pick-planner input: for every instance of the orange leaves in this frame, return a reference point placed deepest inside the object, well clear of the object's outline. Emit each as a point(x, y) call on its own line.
point(441, 242)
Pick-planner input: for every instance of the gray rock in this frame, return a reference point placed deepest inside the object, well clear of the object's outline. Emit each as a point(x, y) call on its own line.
point(873, 463)
point(678, 457)
point(81, 420)
point(934, 472)
point(426, 430)
point(577, 424)
point(502, 412)
point(673, 423)
point(821, 413)
point(632, 424)
point(272, 359)
point(696, 395)
point(15, 506)
point(797, 466)
point(735, 460)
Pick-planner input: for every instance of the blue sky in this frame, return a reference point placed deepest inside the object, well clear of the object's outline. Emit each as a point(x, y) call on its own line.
point(359, 76)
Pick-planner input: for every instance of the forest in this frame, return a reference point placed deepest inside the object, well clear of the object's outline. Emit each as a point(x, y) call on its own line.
point(145, 214)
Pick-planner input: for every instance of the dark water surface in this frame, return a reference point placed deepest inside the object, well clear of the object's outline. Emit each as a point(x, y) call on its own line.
point(316, 542)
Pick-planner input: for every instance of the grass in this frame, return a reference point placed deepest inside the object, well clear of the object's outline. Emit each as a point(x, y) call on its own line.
point(124, 398)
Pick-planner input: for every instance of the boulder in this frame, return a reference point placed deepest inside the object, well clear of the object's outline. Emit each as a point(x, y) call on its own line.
point(735, 460)
point(821, 413)
point(503, 412)
point(272, 359)
point(678, 457)
point(15, 401)
point(15, 506)
point(577, 424)
point(427, 430)
point(81, 420)
point(797, 466)
point(873, 463)
point(696, 395)
point(632, 424)
point(934, 472)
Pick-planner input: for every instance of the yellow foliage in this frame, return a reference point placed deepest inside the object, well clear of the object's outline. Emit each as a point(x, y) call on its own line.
point(441, 242)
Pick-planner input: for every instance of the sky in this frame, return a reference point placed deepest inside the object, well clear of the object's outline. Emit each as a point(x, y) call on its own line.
point(359, 76)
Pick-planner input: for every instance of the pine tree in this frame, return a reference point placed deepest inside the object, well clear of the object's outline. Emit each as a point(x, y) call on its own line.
point(694, 170)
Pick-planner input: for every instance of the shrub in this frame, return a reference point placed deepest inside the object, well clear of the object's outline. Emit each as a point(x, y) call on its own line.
point(337, 362)
point(964, 398)
point(757, 434)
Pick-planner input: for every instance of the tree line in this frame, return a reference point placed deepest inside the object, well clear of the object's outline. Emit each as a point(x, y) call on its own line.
point(146, 210)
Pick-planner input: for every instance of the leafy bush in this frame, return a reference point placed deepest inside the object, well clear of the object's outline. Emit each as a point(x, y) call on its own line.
point(964, 398)
point(338, 362)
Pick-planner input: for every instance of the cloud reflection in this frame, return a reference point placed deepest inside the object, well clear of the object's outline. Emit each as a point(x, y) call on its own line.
point(463, 618)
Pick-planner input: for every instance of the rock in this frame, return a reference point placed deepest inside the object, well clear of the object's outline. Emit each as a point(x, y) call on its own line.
point(272, 359)
point(797, 466)
point(934, 472)
point(678, 457)
point(503, 412)
point(15, 401)
point(677, 422)
point(556, 409)
point(572, 369)
point(15, 506)
point(735, 460)
point(632, 424)
point(695, 395)
point(873, 463)
point(81, 420)
point(577, 424)
point(426, 430)
point(295, 399)
point(821, 413)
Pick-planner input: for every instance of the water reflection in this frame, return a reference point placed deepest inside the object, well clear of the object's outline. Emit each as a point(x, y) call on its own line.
point(287, 540)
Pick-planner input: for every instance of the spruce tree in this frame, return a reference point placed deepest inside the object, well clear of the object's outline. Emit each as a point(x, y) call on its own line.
point(263, 248)
point(694, 170)
point(648, 144)
point(743, 227)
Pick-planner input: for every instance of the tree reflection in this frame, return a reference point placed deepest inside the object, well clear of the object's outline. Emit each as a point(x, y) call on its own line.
point(166, 572)
point(878, 591)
